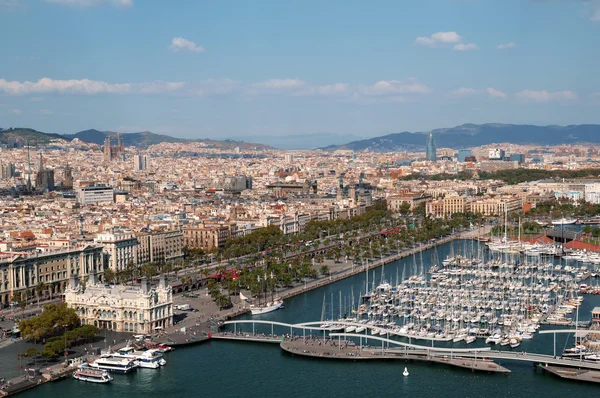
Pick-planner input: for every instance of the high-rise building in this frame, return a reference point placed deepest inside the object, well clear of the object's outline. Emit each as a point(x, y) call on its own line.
point(430, 150)
point(7, 171)
point(141, 162)
point(289, 158)
point(496, 154)
point(463, 154)
point(517, 157)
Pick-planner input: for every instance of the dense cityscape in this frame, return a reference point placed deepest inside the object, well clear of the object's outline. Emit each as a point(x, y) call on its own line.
point(299, 198)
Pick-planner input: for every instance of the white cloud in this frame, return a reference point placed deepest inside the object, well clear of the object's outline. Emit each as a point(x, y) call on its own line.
point(506, 46)
point(593, 9)
point(16, 111)
point(391, 87)
point(281, 83)
point(546, 96)
point(181, 44)
point(91, 3)
point(84, 86)
point(465, 47)
point(492, 92)
point(464, 91)
point(46, 112)
point(439, 38)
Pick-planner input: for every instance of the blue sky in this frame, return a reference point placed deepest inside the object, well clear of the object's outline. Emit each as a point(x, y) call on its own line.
point(241, 68)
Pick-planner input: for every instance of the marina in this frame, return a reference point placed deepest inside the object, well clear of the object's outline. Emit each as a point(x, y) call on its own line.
point(283, 328)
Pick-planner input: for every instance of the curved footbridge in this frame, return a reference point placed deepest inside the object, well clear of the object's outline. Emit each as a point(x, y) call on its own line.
point(318, 340)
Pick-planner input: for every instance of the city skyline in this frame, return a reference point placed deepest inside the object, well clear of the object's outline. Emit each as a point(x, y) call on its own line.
point(234, 70)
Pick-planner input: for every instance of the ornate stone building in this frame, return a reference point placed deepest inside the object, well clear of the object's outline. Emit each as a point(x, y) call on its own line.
point(122, 308)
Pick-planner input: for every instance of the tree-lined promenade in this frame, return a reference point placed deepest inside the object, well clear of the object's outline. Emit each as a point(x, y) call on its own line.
point(267, 260)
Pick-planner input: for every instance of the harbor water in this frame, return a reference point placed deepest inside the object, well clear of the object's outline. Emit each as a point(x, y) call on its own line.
point(237, 369)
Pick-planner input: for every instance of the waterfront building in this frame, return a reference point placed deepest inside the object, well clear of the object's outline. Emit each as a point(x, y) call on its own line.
point(395, 202)
point(159, 247)
point(120, 248)
point(45, 271)
point(205, 237)
point(430, 150)
point(122, 308)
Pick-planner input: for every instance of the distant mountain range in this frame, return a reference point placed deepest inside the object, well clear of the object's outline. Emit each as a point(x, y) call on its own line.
point(470, 135)
point(300, 141)
point(463, 136)
point(19, 136)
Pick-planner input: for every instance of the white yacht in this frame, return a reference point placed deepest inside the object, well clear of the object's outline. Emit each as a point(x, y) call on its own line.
point(268, 307)
point(151, 359)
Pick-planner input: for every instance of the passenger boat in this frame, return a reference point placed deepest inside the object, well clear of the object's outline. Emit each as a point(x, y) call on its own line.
point(150, 359)
point(564, 221)
point(85, 373)
point(268, 307)
point(116, 365)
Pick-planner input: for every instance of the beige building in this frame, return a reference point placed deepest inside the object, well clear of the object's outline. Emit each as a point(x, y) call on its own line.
point(159, 247)
point(205, 237)
point(120, 248)
point(38, 274)
point(395, 202)
point(122, 308)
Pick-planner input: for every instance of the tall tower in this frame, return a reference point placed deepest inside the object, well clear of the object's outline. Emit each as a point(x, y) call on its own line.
point(430, 150)
point(28, 169)
point(340, 190)
point(107, 151)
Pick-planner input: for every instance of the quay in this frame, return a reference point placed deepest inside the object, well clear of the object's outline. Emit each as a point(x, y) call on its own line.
point(587, 375)
point(332, 350)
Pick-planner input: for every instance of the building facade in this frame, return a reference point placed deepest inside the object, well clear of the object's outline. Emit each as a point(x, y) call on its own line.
point(159, 247)
point(37, 274)
point(122, 308)
point(141, 162)
point(119, 247)
point(205, 237)
point(96, 194)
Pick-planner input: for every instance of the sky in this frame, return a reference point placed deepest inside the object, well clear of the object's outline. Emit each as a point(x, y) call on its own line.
point(221, 69)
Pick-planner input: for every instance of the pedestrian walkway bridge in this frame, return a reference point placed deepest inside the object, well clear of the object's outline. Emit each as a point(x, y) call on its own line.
point(390, 346)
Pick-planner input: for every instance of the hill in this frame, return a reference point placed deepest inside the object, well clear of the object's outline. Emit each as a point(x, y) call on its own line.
point(19, 136)
point(469, 135)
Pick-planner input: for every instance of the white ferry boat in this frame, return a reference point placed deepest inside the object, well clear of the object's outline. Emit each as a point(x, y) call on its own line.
point(85, 373)
point(268, 307)
point(151, 359)
point(116, 365)
point(564, 221)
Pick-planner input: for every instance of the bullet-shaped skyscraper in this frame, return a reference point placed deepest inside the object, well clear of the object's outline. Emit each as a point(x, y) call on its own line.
point(430, 153)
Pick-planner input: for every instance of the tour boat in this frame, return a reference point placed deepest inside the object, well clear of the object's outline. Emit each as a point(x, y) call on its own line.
point(564, 221)
point(116, 365)
point(85, 373)
point(268, 307)
point(150, 359)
